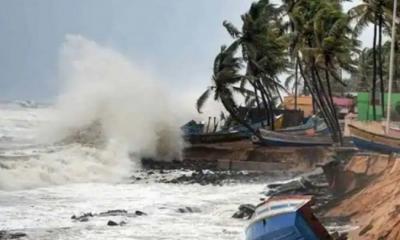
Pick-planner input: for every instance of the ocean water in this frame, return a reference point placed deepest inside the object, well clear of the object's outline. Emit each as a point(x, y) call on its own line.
point(42, 185)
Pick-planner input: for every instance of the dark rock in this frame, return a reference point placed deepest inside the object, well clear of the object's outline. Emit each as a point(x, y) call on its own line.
point(117, 212)
point(4, 235)
point(112, 223)
point(189, 210)
point(140, 213)
point(245, 211)
point(83, 218)
point(17, 235)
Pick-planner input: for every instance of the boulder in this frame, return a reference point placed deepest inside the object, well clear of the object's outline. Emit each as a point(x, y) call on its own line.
point(245, 211)
point(140, 213)
point(112, 223)
point(4, 235)
point(117, 212)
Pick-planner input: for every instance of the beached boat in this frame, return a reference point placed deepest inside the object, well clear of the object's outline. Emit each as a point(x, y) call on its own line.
point(373, 138)
point(314, 125)
point(278, 139)
point(216, 137)
point(286, 218)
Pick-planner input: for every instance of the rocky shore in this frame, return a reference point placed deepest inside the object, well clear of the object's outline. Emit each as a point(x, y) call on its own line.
point(356, 195)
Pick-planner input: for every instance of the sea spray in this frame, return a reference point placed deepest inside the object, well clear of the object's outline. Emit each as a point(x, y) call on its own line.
point(132, 109)
point(104, 99)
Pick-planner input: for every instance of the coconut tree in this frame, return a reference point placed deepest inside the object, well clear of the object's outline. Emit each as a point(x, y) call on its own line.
point(323, 48)
point(288, 7)
point(263, 45)
point(225, 76)
point(373, 11)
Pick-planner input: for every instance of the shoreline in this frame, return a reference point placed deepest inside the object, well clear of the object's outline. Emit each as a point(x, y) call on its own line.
point(350, 185)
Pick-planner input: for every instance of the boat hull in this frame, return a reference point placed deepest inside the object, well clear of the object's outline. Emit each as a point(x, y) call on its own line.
point(371, 141)
point(216, 137)
point(269, 138)
point(373, 146)
point(288, 226)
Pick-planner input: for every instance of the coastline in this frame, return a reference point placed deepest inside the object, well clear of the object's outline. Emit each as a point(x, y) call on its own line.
point(351, 189)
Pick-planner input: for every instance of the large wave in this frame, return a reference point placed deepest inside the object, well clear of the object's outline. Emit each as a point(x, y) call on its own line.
point(109, 111)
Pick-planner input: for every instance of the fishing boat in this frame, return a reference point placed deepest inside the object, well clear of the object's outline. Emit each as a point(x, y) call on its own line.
point(222, 136)
point(373, 138)
point(383, 140)
point(278, 139)
point(314, 124)
point(286, 218)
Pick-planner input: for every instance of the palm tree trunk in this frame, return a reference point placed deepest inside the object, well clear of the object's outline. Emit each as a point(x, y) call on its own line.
point(296, 79)
point(396, 70)
point(258, 102)
point(266, 101)
point(328, 81)
point(317, 100)
point(328, 108)
point(374, 71)
point(380, 53)
point(237, 118)
point(271, 107)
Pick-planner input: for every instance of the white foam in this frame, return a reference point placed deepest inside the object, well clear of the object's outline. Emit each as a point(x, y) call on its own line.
point(98, 84)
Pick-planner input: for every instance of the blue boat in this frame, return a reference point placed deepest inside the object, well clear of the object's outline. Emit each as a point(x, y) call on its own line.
point(277, 139)
point(286, 218)
point(315, 124)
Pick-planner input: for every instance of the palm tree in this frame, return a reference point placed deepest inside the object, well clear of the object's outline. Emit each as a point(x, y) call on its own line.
point(263, 45)
point(373, 11)
point(225, 75)
point(323, 49)
point(288, 7)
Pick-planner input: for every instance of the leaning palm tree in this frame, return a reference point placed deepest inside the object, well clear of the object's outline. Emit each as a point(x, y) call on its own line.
point(263, 45)
point(323, 49)
point(225, 76)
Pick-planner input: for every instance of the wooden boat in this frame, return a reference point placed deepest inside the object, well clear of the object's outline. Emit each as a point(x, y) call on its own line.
point(286, 218)
point(270, 138)
point(314, 124)
point(373, 139)
point(216, 137)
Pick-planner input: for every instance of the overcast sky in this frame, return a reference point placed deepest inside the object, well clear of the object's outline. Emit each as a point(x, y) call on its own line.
point(175, 39)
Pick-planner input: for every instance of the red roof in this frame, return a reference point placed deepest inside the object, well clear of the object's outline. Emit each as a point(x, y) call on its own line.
point(343, 102)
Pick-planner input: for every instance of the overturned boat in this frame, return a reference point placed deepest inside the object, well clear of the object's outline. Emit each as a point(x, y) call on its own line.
point(278, 139)
point(286, 218)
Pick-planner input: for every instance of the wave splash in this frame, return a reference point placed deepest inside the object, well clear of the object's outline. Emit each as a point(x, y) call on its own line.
point(109, 111)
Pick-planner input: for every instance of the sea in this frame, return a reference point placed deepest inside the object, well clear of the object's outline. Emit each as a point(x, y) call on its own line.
point(43, 184)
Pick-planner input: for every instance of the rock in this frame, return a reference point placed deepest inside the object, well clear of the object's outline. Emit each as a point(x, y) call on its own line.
point(4, 235)
point(140, 213)
point(112, 223)
point(122, 223)
point(245, 210)
point(189, 210)
point(17, 235)
point(83, 218)
point(117, 212)
point(295, 186)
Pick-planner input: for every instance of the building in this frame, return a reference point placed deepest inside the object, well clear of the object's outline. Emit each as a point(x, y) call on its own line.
point(364, 106)
point(304, 103)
